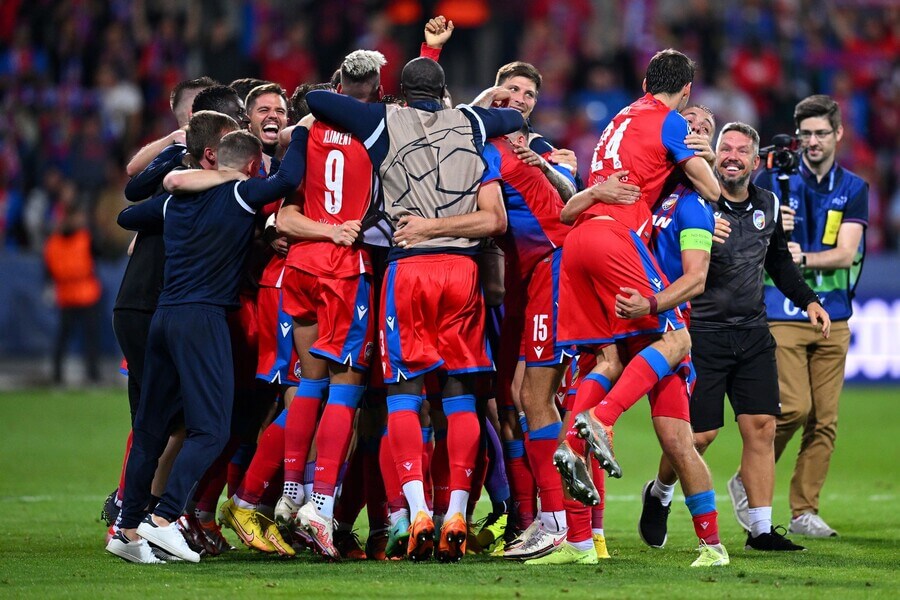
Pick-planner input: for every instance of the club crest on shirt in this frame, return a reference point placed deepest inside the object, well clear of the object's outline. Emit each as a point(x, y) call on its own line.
point(759, 219)
point(670, 202)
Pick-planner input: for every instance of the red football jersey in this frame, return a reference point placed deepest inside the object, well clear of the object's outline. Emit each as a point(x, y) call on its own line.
point(338, 187)
point(646, 138)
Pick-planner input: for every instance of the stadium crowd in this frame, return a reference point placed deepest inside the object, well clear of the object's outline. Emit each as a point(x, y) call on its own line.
point(384, 253)
point(84, 84)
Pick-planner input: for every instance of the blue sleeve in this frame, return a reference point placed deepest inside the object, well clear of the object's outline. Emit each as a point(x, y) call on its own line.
point(493, 161)
point(147, 216)
point(694, 213)
point(147, 182)
point(365, 120)
point(497, 121)
point(674, 130)
point(258, 192)
point(857, 210)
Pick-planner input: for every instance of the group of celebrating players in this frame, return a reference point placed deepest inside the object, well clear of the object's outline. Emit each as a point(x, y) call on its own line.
point(320, 288)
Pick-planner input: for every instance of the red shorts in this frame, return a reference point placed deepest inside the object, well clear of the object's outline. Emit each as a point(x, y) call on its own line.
point(600, 256)
point(432, 315)
point(539, 346)
point(342, 310)
point(670, 397)
point(278, 361)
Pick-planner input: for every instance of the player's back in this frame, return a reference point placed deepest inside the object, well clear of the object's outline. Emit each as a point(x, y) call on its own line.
point(433, 168)
point(532, 204)
point(338, 187)
point(646, 138)
point(207, 238)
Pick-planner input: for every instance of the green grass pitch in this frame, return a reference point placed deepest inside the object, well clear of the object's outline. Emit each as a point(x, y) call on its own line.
point(60, 453)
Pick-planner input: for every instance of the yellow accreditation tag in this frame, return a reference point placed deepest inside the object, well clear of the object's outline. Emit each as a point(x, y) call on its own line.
point(832, 225)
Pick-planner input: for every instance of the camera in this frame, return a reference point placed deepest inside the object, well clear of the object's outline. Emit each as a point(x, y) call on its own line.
point(782, 155)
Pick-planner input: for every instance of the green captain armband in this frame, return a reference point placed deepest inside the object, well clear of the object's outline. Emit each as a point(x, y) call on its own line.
point(695, 239)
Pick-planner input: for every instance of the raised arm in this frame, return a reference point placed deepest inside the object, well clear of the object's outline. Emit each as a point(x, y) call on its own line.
point(702, 178)
point(193, 181)
point(258, 192)
point(142, 159)
point(147, 182)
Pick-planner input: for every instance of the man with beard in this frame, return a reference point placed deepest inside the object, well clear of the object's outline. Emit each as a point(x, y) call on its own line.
point(733, 351)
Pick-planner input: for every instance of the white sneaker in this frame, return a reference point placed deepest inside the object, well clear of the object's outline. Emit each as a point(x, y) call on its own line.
point(137, 551)
point(320, 527)
point(812, 525)
point(739, 501)
point(286, 511)
point(168, 538)
point(539, 542)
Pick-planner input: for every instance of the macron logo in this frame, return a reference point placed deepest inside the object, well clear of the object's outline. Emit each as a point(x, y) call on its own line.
point(285, 329)
point(390, 322)
point(657, 283)
point(468, 472)
point(407, 466)
point(539, 350)
point(361, 311)
point(704, 525)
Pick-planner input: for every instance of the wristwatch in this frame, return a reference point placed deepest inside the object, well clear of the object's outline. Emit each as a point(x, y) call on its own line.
point(803, 260)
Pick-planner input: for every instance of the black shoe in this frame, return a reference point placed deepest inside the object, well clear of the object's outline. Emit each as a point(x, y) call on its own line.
point(772, 541)
point(654, 524)
point(110, 511)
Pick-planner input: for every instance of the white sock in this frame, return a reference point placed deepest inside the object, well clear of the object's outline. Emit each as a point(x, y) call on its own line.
point(760, 520)
point(582, 546)
point(242, 504)
point(294, 491)
point(459, 501)
point(662, 491)
point(396, 516)
point(597, 532)
point(415, 497)
point(324, 504)
point(554, 521)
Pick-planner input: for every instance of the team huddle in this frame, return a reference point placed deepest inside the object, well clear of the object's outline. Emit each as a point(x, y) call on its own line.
point(344, 300)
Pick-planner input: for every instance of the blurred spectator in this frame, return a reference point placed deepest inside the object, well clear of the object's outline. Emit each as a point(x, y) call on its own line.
point(86, 82)
point(68, 257)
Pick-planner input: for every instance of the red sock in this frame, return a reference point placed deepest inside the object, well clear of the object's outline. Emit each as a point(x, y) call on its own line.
point(392, 490)
point(352, 491)
point(578, 517)
point(332, 441)
point(478, 477)
point(274, 490)
point(440, 473)
point(540, 457)
point(265, 466)
point(120, 493)
point(213, 482)
point(373, 483)
point(405, 437)
point(238, 465)
point(706, 526)
point(523, 490)
point(463, 433)
point(599, 476)
point(637, 379)
point(298, 435)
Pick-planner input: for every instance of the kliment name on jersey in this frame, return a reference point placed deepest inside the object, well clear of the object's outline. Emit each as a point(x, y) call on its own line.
point(336, 137)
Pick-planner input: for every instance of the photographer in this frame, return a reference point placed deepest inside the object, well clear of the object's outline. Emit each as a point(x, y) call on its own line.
point(826, 218)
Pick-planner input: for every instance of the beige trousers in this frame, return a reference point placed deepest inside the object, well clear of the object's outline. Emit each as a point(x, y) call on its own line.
point(810, 379)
